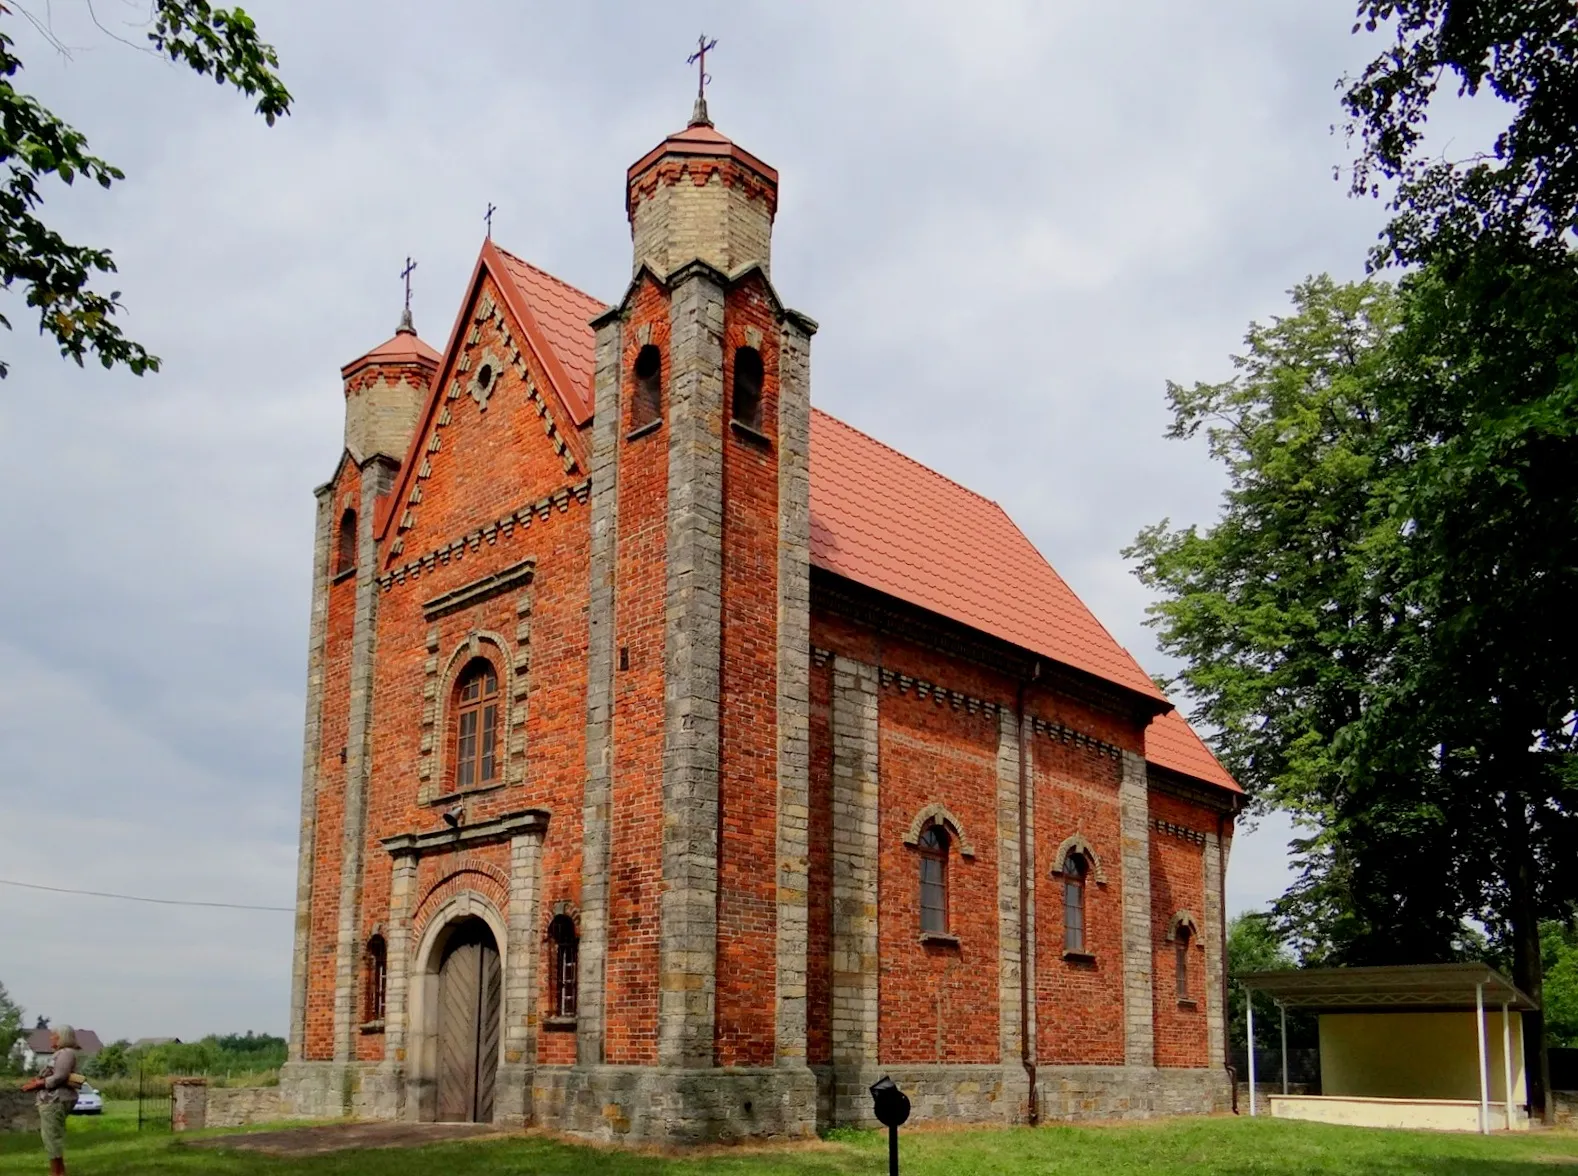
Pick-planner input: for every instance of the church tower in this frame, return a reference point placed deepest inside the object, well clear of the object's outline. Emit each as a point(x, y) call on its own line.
point(694, 962)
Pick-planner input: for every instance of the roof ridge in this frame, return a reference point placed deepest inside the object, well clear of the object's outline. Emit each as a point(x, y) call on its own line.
point(976, 494)
point(554, 278)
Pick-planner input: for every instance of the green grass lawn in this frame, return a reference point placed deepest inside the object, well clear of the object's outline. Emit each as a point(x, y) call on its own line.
point(1221, 1147)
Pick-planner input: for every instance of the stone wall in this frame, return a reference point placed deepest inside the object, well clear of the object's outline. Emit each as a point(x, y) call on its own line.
point(18, 1110)
point(197, 1105)
point(1566, 1105)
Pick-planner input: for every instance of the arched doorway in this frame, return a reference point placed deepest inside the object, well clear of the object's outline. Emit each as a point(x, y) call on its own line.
point(469, 1015)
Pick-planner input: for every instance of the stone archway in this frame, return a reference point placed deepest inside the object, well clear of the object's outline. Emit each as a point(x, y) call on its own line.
point(457, 1011)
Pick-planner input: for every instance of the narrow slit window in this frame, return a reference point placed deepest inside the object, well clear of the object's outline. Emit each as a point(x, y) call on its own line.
point(477, 726)
point(376, 973)
point(1181, 954)
point(566, 945)
point(1074, 871)
point(646, 405)
point(345, 558)
point(747, 406)
point(933, 846)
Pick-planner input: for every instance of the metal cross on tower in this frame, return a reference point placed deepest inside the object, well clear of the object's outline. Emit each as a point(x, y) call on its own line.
point(405, 317)
point(488, 216)
point(698, 116)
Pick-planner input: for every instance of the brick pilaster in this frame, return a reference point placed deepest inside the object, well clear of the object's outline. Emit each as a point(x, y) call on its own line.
point(595, 811)
point(520, 965)
point(1211, 932)
point(855, 866)
point(794, 687)
point(310, 751)
point(1138, 995)
point(692, 645)
point(1012, 956)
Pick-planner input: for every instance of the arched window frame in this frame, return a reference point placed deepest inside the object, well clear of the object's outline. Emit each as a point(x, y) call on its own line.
point(646, 388)
point(1182, 934)
point(1076, 871)
point(931, 848)
point(345, 543)
point(480, 719)
point(375, 982)
point(745, 404)
point(564, 963)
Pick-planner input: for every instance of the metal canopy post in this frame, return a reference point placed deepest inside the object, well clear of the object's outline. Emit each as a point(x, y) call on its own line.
point(1484, 1090)
point(1249, 1025)
point(1506, 1057)
point(1284, 1009)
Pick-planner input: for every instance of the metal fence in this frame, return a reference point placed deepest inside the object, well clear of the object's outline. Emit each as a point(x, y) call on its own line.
point(155, 1107)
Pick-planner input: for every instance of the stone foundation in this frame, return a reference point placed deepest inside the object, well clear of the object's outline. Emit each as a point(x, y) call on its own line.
point(1565, 1106)
point(638, 1104)
point(1069, 1093)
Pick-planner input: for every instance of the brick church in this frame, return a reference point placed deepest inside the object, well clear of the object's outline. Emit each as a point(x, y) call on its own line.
point(680, 759)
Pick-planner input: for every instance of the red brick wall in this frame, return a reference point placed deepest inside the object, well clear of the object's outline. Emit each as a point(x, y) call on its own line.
point(938, 1003)
point(748, 708)
point(1079, 1004)
point(1178, 884)
point(329, 828)
point(636, 865)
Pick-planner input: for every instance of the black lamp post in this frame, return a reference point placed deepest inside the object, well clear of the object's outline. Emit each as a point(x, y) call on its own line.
point(892, 1107)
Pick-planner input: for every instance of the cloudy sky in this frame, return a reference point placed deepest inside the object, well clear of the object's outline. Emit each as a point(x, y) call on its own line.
point(1014, 221)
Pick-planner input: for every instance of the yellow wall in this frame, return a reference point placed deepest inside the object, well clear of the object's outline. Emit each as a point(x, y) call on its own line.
point(1416, 1055)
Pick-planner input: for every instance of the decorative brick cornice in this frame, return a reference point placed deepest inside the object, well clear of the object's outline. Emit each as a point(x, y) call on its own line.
point(473, 540)
point(1178, 831)
point(479, 590)
point(500, 828)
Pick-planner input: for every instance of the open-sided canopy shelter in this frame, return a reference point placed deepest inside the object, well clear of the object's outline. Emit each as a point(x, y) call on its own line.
point(1404, 1046)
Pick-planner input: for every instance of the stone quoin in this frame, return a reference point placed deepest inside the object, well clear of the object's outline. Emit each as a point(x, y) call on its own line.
point(679, 760)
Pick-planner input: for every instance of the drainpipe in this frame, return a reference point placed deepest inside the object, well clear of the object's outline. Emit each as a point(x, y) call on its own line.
point(1221, 882)
point(1027, 966)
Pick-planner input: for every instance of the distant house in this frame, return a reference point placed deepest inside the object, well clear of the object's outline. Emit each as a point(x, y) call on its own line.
point(36, 1052)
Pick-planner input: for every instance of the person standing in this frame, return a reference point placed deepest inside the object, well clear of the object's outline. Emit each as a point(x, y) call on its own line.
point(56, 1096)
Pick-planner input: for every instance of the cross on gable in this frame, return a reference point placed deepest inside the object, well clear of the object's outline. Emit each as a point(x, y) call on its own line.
point(698, 116)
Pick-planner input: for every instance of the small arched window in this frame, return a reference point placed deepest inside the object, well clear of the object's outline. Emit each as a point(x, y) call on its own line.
point(345, 558)
point(566, 947)
point(747, 406)
point(375, 977)
point(1181, 940)
point(1074, 872)
point(933, 848)
point(646, 404)
point(477, 725)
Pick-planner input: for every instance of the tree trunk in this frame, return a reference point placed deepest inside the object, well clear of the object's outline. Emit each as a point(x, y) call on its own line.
point(1528, 967)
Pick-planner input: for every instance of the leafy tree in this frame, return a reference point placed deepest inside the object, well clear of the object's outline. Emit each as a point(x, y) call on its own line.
point(113, 1061)
point(36, 145)
point(1559, 949)
point(1253, 945)
point(11, 1029)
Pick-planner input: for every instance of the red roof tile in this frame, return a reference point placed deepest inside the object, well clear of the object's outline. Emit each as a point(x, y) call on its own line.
point(886, 521)
point(563, 315)
point(404, 347)
point(1170, 742)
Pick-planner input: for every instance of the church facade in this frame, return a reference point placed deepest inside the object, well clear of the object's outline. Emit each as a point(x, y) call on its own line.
point(679, 760)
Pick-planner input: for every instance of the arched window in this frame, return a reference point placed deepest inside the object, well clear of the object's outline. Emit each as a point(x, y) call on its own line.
point(646, 404)
point(747, 407)
point(933, 849)
point(477, 725)
point(345, 558)
point(566, 947)
point(375, 976)
point(1074, 871)
point(1181, 939)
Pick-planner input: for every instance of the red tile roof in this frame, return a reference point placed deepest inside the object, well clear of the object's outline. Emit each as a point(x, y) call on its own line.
point(1170, 742)
point(890, 523)
point(886, 521)
point(404, 347)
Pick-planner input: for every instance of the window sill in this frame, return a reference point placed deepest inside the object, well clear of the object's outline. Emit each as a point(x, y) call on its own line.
point(373, 1026)
point(751, 434)
point(559, 1024)
point(939, 939)
point(643, 430)
point(1185, 1002)
point(452, 797)
point(344, 574)
point(1079, 957)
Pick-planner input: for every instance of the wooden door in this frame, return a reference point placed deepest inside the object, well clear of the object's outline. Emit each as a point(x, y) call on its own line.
point(470, 995)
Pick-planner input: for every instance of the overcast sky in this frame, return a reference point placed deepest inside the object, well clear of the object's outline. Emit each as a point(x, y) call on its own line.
point(1014, 222)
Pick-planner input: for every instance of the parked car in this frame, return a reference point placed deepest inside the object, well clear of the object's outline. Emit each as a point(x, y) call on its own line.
point(89, 1101)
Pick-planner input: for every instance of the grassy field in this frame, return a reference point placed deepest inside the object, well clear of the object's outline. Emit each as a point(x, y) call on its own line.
point(1220, 1147)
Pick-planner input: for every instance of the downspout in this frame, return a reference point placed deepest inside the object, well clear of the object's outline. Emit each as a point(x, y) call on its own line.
point(1027, 966)
point(1227, 1018)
